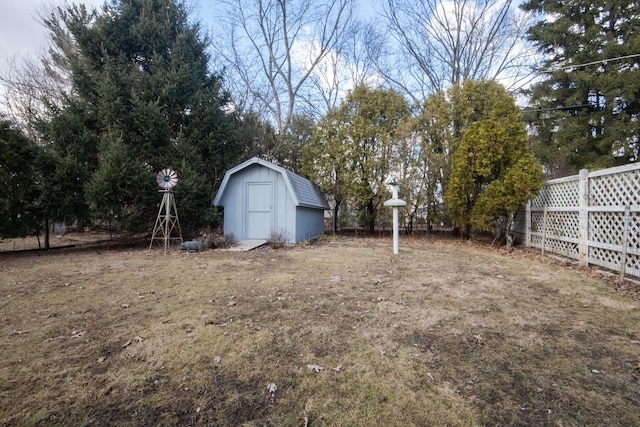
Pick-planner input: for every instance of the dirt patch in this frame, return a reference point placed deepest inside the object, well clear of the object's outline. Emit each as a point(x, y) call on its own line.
point(446, 333)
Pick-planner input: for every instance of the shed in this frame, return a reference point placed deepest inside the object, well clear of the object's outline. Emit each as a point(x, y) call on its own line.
point(261, 199)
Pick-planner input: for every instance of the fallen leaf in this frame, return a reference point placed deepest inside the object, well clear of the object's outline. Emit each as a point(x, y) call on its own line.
point(125, 305)
point(315, 368)
point(78, 335)
point(19, 332)
point(101, 359)
point(472, 398)
point(635, 341)
point(478, 339)
point(595, 371)
point(127, 344)
point(138, 339)
point(272, 388)
point(217, 360)
point(231, 303)
point(338, 368)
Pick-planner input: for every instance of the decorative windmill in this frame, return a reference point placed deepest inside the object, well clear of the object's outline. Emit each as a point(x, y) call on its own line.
point(167, 222)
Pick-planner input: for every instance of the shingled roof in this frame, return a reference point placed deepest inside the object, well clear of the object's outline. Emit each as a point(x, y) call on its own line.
point(304, 192)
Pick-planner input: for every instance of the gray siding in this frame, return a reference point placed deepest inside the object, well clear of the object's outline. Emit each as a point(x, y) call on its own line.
point(309, 223)
point(285, 219)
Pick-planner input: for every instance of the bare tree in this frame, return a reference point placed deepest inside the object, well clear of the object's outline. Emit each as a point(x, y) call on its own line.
point(30, 88)
point(271, 49)
point(24, 88)
point(38, 83)
point(354, 63)
point(447, 42)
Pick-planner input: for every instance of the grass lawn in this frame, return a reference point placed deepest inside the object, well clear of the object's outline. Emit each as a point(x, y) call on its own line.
point(340, 333)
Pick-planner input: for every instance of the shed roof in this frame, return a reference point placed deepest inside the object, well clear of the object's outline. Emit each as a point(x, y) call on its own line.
point(304, 192)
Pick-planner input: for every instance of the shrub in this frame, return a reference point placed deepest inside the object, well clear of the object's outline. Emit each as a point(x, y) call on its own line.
point(214, 239)
point(277, 239)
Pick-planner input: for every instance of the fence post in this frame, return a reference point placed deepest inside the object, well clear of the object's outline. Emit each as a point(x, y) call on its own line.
point(544, 230)
point(583, 218)
point(527, 226)
point(625, 242)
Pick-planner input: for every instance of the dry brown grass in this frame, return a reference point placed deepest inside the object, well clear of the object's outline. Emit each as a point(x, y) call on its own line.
point(446, 334)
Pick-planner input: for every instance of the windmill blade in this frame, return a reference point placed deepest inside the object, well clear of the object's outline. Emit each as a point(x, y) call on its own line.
point(167, 178)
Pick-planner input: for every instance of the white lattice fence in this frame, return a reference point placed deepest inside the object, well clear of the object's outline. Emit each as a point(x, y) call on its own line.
point(593, 218)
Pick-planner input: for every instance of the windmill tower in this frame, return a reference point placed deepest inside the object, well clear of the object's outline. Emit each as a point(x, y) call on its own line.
point(167, 226)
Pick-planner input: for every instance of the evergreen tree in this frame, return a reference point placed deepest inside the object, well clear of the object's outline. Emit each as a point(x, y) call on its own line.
point(141, 98)
point(587, 106)
point(20, 212)
point(325, 161)
point(493, 174)
point(353, 148)
point(446, 116)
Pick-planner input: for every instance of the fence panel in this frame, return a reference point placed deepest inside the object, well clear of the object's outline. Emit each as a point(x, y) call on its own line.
point(593, 218)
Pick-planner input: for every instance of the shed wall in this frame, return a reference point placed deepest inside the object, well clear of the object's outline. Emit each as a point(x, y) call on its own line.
point(309, 223)
point(285, 218)
point(236, 205)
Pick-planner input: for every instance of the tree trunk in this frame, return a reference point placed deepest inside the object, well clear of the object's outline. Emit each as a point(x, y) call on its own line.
point(508, 230)
point(371, 216)
point(466, 232)
point(46, 234)
point(409, 227)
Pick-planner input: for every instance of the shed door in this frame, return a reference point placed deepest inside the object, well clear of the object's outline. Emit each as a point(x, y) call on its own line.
point(259, 210)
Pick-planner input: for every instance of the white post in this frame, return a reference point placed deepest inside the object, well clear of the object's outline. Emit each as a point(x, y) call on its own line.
point(583, 218)
point(394, 202)
point(625, 242)
point(527, 227)
point(395, 230)
point(544, 230)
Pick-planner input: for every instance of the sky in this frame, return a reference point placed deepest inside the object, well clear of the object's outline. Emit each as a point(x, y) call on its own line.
point(21, 34)
point(23, 37)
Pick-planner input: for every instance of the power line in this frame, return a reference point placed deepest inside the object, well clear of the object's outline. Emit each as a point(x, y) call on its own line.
point(576, 106)
point(593, 63)
point(569, 107)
